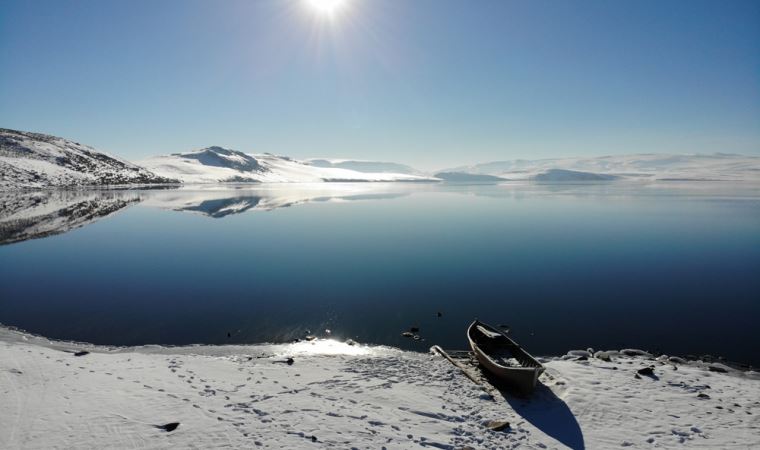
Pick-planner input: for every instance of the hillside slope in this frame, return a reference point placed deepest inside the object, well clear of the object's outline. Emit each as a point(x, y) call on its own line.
point(34, 160)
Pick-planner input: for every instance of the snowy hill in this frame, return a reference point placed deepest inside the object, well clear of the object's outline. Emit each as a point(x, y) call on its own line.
point(708, 167)
point(221, 165)
point(33, 160)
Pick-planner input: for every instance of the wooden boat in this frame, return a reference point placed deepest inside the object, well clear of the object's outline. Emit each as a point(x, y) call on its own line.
point(503, 358)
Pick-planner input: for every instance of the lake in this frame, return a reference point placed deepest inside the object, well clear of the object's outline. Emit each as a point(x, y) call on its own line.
point(670, 267)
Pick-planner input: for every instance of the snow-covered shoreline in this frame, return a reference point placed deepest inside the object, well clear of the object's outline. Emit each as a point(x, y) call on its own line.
point(336, 395)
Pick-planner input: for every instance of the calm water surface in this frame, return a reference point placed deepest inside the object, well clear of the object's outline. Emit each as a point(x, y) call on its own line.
point(671, 267)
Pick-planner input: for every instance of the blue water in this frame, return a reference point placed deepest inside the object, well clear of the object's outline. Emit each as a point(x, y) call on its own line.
point(673, 268)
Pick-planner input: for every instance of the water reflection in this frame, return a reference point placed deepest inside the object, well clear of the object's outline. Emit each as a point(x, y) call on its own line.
point(218, 202)
point(28, 215)
point(37, 214)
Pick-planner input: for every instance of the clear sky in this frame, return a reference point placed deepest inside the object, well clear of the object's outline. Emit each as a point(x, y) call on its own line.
point(432, 83)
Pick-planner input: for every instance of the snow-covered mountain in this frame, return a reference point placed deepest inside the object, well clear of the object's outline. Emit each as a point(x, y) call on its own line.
point(34, 160)
point(705, 167)
point(221, 165)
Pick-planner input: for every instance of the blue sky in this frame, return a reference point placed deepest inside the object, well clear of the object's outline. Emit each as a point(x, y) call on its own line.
point(433, 83)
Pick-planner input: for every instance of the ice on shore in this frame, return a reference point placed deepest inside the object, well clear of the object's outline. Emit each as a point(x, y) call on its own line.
point(336, 395)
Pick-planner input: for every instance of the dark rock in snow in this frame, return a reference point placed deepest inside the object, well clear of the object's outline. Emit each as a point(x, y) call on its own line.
point(634, 352)
point(169, 427)
point(717, 368)
point(497, 425)
point(703, 396)
point(604, 356)
point(82, 353)
point(646, 371)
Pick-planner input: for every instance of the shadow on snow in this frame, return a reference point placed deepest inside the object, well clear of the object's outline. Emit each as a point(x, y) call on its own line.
point(547, 412)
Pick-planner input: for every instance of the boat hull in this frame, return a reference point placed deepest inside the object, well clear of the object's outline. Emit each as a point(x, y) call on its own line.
point(523, 378)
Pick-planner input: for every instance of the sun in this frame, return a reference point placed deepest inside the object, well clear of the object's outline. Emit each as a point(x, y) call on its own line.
point(326, 8)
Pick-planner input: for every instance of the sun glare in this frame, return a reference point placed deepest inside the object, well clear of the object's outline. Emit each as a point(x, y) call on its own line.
point(326, 7)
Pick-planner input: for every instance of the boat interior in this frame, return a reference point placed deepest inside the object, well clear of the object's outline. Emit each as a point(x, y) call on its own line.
point(501, 349)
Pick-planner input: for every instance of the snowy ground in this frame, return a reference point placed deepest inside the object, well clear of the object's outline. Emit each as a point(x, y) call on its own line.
point(336, 395)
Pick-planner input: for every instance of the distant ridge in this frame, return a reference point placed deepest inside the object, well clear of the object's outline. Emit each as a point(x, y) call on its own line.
point(562, 175)
point(464, 177)
point(644, 166)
